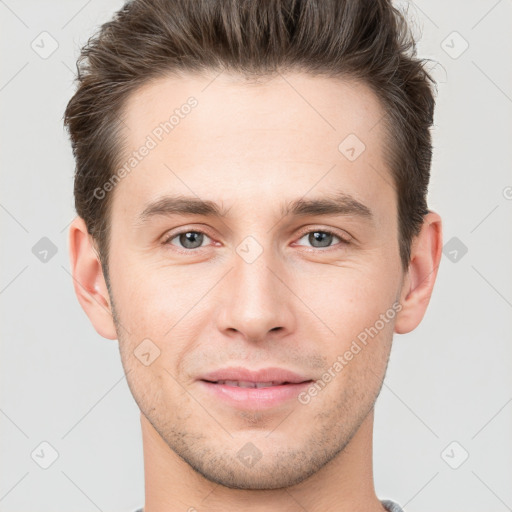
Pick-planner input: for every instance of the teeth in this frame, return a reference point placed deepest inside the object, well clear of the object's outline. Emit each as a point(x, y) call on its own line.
point(264, 384)
point(245, 384)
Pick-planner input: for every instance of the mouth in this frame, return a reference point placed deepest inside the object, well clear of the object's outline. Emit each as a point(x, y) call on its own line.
point(249, 384)
point(262, 389)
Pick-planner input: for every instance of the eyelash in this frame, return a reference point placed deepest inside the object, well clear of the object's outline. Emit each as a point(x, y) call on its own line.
point(343, 240)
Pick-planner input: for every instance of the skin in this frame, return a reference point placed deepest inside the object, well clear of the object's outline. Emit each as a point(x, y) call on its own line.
point(252, 148)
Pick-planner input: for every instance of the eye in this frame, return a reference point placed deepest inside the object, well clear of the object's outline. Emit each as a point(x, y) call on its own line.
point(193, 239)
point(319, 238)
point(187, 239)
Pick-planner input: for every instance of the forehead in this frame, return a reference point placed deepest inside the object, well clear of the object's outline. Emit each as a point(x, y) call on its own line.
point(216, 135)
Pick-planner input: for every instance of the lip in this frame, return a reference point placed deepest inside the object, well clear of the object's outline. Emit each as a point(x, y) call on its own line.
point(240, 373)
point(286, 385)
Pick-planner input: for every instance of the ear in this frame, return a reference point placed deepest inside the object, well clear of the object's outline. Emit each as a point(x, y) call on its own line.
point(426, 251)
point(88, 280)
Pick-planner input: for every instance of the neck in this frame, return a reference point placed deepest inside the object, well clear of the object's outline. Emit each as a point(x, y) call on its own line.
point(344, 484)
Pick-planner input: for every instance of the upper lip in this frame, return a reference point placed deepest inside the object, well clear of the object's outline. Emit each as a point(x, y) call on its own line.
point(263, 375)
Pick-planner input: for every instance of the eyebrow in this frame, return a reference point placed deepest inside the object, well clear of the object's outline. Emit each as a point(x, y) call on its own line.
point(338, 204)
point(171, 205)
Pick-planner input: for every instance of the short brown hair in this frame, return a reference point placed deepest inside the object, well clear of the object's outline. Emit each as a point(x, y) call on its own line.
point(368, 40)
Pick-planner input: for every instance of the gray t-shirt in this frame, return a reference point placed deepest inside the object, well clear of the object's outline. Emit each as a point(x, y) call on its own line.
point(389, 505)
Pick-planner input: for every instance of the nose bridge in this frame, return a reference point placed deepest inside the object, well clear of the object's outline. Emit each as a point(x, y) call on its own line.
point(254, 299)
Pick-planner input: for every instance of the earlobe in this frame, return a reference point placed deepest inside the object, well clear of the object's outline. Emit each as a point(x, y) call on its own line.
point(88, 280)
point(419, 282)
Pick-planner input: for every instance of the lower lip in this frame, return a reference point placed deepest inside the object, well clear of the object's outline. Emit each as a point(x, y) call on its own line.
point(255, 398)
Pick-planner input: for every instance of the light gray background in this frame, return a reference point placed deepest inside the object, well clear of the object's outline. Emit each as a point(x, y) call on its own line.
point(449, 380)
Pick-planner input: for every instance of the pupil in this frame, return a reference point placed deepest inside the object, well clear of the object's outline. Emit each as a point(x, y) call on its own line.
point(323, 238)
point(191, 240)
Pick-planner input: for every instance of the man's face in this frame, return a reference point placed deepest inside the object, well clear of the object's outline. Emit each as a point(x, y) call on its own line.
point(255, 288)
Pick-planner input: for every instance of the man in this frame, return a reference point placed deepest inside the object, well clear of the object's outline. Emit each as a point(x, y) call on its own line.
point(252, 227)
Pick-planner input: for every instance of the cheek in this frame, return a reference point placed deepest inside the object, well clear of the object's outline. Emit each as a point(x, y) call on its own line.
point(355, 308)
point(162, 319)
point(151, 300)
point(348, 297)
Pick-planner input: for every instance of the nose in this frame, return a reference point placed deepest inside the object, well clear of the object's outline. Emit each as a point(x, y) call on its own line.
point(255, 300)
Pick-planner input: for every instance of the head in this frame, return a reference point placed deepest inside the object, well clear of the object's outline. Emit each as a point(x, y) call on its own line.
point(293, 138)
